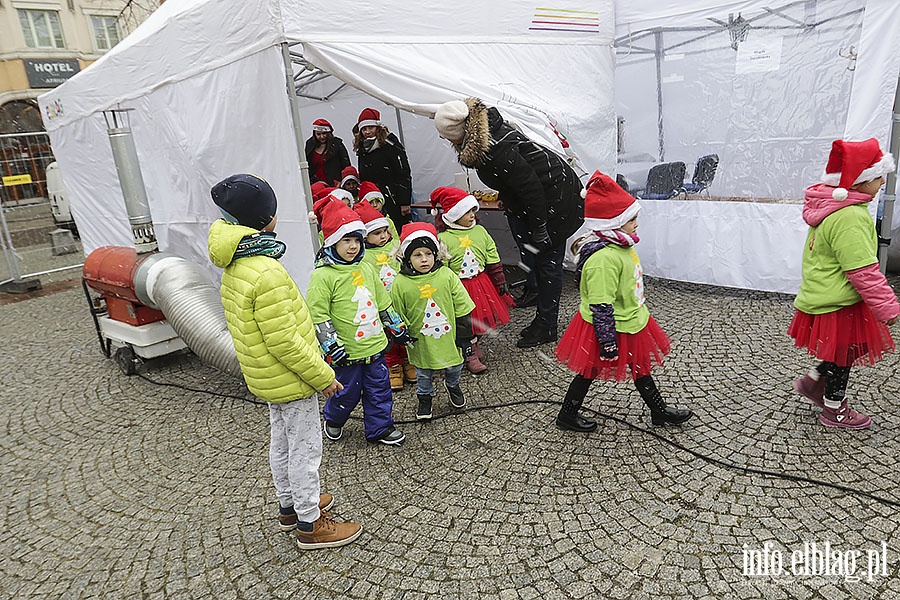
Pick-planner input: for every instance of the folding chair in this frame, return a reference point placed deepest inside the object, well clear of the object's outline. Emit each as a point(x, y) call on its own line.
point(704, 173)
point(664, 181)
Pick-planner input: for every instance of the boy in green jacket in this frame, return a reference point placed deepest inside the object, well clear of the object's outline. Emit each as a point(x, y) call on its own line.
point(276, 346)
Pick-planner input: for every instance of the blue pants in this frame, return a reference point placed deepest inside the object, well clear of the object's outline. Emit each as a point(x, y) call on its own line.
point(425, 377)
point(545, 272)
point(369, 383)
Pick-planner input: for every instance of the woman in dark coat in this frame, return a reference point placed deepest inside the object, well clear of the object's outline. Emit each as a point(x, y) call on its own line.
point(541, 196)
point(382, 160)
point(327, 156)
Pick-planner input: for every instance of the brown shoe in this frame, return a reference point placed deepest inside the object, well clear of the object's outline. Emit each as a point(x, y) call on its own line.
point(287, 518)
point(328, 533)
point(396, 374)
point(409, 372)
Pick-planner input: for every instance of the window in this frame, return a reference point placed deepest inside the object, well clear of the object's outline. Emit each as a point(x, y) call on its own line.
point(106, 32)
point(41, 28)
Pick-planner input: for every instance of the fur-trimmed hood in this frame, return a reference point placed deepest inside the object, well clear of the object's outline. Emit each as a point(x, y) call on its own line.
point(477, 138)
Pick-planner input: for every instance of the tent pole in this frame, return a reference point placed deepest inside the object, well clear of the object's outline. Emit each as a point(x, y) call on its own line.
point(299, 139)
point(400, 127)
point(887, 208)
point(659, 100)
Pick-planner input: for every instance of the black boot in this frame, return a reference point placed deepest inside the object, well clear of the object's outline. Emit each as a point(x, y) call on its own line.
point(423, 413)
point(457, 398)
point(568, 417)
point(535, 335)
point(660, 413)
point(528, 298)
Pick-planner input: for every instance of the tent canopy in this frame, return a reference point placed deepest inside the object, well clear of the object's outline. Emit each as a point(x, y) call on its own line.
point(207, 80)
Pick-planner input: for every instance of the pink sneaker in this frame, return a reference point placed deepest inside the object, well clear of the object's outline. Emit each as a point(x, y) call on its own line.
point(844, 417)
point(813, 390)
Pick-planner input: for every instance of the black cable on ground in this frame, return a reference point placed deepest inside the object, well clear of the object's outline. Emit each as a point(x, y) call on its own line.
point(714, 461)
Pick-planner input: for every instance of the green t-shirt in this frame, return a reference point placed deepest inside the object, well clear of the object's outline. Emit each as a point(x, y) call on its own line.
point(845, 240)
point(471, 250)
point(382, 261)
point(613, 275)
point(429, 305)
point(350, 296)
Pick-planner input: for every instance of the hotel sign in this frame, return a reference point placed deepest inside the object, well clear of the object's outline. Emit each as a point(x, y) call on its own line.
point(51, 72)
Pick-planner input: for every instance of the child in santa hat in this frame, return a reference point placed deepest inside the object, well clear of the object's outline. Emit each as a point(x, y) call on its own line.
point(844, 302)
point(475, 259)
point(350, 310)
point(369, 191)
point(612, 333)
point(350, 181)
point(434, 303)
point(380, 248)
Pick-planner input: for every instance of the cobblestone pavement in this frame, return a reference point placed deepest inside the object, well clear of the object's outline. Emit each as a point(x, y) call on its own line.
point(117, 487)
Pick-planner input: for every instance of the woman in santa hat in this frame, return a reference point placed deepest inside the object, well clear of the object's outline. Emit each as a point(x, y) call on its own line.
point(844, 303)
point(382, 160)
point(475, 259)
point(612, 336)
point(327, 156)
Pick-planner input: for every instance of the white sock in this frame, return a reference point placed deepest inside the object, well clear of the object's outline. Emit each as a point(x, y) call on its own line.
point(814, 374)
point(833, 404)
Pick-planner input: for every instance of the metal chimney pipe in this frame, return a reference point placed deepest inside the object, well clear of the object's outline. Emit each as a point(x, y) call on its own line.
point(128, 168)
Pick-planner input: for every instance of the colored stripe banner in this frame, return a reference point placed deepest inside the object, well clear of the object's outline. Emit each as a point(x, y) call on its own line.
point(561, 19)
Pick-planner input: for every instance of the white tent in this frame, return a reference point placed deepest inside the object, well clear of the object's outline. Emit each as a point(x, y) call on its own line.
point(765, 85)
point(207, 80)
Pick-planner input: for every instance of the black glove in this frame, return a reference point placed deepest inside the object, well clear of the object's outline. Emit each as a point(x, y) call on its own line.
point(404, 338)
point(540, 237)
point(503, 289)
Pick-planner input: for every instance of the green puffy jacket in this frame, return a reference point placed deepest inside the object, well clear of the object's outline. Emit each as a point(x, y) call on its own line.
point(273, 333)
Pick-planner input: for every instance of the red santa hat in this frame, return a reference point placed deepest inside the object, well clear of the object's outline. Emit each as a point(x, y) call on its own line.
point(454, 201)
point(319, 190)
point(336, 220)
point(369, 191)
point(416, 230)
point(369, 116)
point(606, 205)
point(342, 195)
point(322, 125)
point(371, 217)
point(349, 173)
point(851, 163)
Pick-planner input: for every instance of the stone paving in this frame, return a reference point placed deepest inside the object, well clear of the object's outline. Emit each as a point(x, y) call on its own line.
point(117, 487)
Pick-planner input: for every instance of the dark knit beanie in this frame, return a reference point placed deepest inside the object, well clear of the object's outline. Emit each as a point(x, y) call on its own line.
point(420, 242)
point(245, 199)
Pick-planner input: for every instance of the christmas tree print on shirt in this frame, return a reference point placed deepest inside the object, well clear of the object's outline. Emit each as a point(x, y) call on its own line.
point(435, 321)
point(366, 311)
point(470, 265)
point(638, 279)
point(386, 271)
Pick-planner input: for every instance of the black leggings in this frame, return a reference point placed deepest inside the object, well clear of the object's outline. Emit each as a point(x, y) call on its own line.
point(836, 380)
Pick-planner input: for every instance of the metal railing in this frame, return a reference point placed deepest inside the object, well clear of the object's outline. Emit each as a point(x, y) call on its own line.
point(38, 237)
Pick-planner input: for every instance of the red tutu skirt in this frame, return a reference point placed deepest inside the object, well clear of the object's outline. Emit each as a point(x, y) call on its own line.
point(847, 337)
point(491, 310)
point(579, 351)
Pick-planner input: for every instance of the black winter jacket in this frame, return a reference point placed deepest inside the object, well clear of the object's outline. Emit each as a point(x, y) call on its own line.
point(387, 167)
point(534, 182)
point(334, 164)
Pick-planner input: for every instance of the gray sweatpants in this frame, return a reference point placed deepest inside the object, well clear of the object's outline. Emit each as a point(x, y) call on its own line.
point(295, 451)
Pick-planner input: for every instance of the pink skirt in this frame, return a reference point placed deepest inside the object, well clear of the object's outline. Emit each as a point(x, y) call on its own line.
point(579, 351)
point(849, 336)
point(491, 310)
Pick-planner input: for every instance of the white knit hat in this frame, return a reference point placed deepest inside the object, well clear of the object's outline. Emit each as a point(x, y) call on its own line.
point(450, 120)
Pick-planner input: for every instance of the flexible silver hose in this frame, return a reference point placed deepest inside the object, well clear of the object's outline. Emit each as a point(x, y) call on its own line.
point(191, 304)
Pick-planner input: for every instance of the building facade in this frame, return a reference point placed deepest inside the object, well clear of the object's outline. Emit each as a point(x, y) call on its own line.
point(45, 42)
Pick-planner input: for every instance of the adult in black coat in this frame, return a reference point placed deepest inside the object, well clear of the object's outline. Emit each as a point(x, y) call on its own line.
point(382, 160)
point(327, 156)
point(540, 192)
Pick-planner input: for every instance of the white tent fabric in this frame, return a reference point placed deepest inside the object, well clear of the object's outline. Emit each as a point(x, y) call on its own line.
point(207, 81)
point(768, 105)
